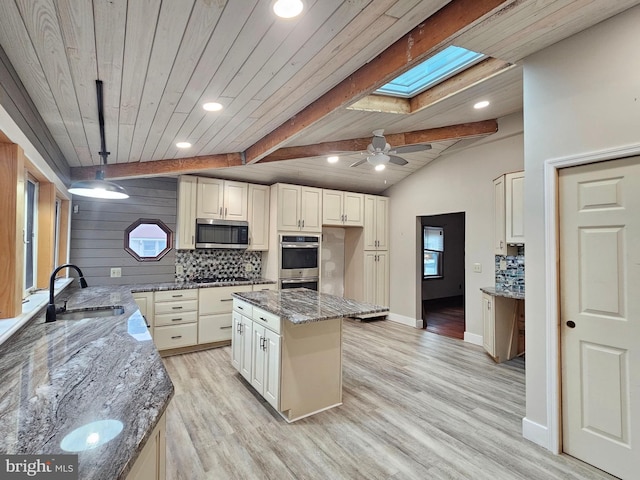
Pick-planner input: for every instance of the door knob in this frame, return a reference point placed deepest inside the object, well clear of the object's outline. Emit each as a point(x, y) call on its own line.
point(571, 324)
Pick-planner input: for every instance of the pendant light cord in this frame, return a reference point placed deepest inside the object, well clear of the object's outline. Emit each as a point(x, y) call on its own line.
point(103, 147)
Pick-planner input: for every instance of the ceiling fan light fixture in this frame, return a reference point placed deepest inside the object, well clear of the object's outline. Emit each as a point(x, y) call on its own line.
point(98, 188)
point(380, 167)
point(288, 8)
point(378, 158)
point(333, 159)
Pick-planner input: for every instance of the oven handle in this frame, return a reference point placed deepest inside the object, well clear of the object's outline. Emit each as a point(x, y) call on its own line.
point(300, 245)
point(300, 280)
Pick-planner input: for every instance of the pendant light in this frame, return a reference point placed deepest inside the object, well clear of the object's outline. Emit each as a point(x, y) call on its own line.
point(99, 188)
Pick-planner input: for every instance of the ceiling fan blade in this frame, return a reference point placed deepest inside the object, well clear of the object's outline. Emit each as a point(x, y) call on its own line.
point(359, 162)
point(397, 160)
point(418, 147)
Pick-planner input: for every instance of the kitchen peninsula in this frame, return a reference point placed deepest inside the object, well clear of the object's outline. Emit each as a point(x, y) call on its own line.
point(288, 345)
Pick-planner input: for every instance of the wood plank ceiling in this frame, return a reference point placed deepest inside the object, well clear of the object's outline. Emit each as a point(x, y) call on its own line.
point(161, 60)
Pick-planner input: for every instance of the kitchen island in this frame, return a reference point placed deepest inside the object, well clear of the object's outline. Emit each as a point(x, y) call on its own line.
point(288, 345)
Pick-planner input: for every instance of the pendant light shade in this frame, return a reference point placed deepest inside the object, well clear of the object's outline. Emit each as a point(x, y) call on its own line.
point(99, 188)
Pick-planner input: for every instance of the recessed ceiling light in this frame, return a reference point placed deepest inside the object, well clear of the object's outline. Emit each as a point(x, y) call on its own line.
point(482, 104)
point(380, 167)
point(333, 159)
point(212, 106)
point(183, 144)
point(288, 8)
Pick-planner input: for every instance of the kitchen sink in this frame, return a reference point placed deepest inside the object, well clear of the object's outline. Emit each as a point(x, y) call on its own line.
point(90, 312)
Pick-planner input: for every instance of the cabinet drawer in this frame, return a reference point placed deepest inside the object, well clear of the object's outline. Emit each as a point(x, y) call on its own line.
point(176, 318)
point(214, 328)
point(218, 299)
point(173, 295)
point(244, 308)
point(176, 307)
point(266, 319)
point(175, 336)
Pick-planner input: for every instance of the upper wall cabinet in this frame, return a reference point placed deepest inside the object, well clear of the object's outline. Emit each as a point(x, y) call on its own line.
point(508, 214)
point(258, 217)
point(299, 208)
point(514, 183)
point(186, 218)
point(376, 231)
point(342, 208)
point(221, 199)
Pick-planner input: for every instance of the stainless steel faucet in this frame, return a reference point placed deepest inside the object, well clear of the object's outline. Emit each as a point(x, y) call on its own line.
point(51, 308)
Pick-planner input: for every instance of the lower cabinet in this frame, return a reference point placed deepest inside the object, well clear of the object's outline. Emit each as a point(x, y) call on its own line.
point(175, 318)
point(241, 352)
point(265, 364)
point(214, 312)
point(145, 304)
point(502, 323)
point(376, 277)
point(151, 463)
point(488, 324)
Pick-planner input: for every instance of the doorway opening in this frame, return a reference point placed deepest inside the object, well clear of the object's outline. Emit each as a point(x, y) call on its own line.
point(442, 256)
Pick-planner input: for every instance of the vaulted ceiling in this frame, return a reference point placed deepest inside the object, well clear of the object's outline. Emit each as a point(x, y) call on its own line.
point(283, 83)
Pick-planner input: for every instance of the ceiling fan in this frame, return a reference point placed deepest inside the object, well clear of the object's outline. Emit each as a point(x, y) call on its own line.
point(379, 152)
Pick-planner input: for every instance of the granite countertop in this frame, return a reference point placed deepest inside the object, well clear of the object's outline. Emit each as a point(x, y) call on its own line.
point(157, 287)
point(301, 305)
point(517, 294)
point(57, 377)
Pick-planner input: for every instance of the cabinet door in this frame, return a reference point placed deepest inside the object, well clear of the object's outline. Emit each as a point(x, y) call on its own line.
point(145, 304)
point(370, 222)
point(245, 363)
point(488, 324)
point(369, 279)
point(236, 341)
point(186, 218)
point(288, 207)
point(235, 200)
point(214, 328)
point(210, 198)
point(499, 230)
point(151, 463)
point(382, 279)
point(271, 391)
point(382, 227)
point(353, 209)
point(514, 205)
point(258, 214)
point(311, 208)
point(332, 210)
point(258, 358)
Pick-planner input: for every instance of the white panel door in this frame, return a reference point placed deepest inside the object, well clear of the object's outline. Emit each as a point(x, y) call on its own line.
point(600, 314)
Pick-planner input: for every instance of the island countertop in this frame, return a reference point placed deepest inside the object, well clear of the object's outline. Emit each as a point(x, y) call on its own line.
point(500, 292)
point(57, 377)
point(301, 305)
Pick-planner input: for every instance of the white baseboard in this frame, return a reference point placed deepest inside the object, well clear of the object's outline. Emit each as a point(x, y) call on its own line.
point(411, 322)
point(536, 433)
point(473, 338)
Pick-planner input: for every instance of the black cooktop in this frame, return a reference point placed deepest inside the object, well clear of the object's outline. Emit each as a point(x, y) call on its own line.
point(216, 279)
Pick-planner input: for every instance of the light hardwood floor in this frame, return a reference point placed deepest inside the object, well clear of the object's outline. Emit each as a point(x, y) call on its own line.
point(416, 406)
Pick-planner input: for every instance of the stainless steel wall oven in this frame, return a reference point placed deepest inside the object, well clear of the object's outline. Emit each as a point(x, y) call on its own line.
point(299, 261)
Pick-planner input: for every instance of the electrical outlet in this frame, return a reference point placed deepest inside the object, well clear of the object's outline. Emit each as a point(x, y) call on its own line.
point(503, 264)
point(116, 272)
point(477, 268)
point(248, 267)
point(179, 269)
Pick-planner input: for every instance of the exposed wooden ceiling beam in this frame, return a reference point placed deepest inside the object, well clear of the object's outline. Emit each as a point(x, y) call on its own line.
point(174, 166)
point(448, 22)
point(382, 103)
point(441, 134)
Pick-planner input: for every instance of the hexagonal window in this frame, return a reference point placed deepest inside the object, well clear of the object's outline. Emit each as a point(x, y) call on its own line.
point(148, 240)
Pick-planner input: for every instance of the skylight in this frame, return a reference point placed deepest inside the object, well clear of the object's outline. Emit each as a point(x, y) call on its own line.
point(441, 66)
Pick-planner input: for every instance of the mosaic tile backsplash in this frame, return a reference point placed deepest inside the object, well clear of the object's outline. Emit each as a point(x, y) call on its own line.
point(221, 263)
point(511, 278)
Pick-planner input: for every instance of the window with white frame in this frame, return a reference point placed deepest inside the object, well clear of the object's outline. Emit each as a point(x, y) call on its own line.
point(30, 235)
point(433, 251)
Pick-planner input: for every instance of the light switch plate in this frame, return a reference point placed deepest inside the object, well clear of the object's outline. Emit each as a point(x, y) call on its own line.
point(116, 272)
point(179, 269)
point(503, 264)
point(477, 268)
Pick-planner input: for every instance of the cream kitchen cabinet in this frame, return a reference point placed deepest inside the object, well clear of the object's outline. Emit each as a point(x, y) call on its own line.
point(175, 318)
point(488, 324)
point(508, 213)
point(221, 199)
point(500, 326)
point(265, 363)
point(258, 214)
point(242, 334)
point(299, 208)
point(342, 208)
point(186, 213)
point(376, 277)
point(514, 206)
point(145, 304)
point(376, 223)
point(214, 312)
point(151, 463)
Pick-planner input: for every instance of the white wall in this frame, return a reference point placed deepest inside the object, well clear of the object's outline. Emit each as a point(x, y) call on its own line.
point(580, 95)
point(459, 182)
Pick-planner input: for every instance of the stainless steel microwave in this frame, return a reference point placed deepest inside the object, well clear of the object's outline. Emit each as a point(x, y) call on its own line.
point(212, 233)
